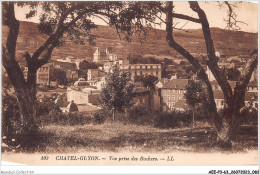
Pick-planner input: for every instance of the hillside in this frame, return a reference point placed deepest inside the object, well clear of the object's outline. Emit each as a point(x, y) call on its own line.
point(227, 42)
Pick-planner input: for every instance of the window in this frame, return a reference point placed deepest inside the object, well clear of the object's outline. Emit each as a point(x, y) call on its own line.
point(222, 103)
point(179, 98)
point(135, 73)
point(179, 91)
point(256, 105)
point(141, 73)
point(169, 105)
point(156, 72)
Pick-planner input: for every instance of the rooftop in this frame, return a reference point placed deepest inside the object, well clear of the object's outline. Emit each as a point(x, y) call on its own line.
point(181, 104)
point(176, 84)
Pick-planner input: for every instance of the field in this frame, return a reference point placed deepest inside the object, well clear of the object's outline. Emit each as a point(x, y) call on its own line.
point(117, 137)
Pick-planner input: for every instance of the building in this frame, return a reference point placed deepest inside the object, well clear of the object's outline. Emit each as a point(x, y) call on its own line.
point(70, 59)
point(93, 73)
point(251, 99)
point(42, 75)
point(181, 105)
point(160, 82)
point(143, 97)
point(101, 55)
point(219, 99)
point(254, 76)
point(72, 74)
point(173, 91)
point(142, 70)
point(252, 86)
point(82, 93)
point(98, 83)
point(216, 86)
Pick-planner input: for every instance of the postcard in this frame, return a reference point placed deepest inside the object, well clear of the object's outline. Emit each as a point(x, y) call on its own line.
point(129, 83)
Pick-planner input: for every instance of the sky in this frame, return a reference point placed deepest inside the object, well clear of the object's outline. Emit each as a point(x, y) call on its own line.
point(246, 11)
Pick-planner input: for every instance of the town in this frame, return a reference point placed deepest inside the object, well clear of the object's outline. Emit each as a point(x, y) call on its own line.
point(129, 83)
point(80, 81)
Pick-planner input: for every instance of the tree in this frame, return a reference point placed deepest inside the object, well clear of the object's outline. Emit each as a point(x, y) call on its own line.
point(227, 126)
point(196, 97)
point(59, 76)
point(148, 81)
point(233, 74)
point(87, 65)
point(117, 94)
point(56, 20)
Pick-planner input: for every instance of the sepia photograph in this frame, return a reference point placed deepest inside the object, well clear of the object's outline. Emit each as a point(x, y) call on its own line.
point(129, 83)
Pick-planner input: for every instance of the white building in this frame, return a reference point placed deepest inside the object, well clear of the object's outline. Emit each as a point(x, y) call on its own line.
point(82, 93)
point(142, 70)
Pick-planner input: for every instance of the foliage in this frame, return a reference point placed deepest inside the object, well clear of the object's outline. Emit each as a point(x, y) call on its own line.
point(147, 81)
point(10, 119)
point(173, 119)
point(168, 61)
point(13, 132)
point(140, 115)
point(233, 74)
point(59, 76)
point(195, 94)
point(117, 94)
point(250, 116)
point(84, 65)
point(98, 119)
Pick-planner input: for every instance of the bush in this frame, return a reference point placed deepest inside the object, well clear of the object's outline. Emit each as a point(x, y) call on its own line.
point(140, 115)
point(15, 134)
point(11, 123)
point(249, 116)
point(173, 119)
point(73, 118)
point(101, 116)
point(98, 118)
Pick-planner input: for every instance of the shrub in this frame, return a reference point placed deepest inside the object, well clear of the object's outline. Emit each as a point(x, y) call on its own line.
point(101, 116)
point(98, 118)
point(15, 134)
point(11, 123)
point(249, 116)
point(140, 115)
point(173, 119)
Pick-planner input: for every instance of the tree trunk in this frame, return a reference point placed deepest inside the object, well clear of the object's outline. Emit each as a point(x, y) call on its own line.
point(27, 104)
point(231, 120)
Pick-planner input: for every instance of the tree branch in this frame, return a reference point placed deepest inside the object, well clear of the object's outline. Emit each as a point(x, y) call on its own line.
point(248, 70)
point(212, 62)
point(46, 57)
point(185, 17)
point(9, 62)
point(200, 71)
